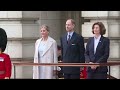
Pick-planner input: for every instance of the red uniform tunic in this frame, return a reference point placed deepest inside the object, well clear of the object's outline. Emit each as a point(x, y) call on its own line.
point(83, 74)
point(5, 66)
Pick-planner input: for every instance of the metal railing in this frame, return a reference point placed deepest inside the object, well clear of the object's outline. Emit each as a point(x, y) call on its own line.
point(66, 64)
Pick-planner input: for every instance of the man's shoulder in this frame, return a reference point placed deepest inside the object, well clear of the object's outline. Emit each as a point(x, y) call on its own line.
point(78, 35)
point(90, 38)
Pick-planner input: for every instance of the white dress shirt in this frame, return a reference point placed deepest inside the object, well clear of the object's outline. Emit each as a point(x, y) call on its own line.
point(69, 33)
point(96, 41)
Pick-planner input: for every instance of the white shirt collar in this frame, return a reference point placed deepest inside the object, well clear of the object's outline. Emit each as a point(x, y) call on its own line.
point(70, 33)
point(98, 37)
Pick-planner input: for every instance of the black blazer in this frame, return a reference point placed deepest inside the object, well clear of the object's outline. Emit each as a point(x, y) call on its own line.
point(72, 52)
point(101, 55)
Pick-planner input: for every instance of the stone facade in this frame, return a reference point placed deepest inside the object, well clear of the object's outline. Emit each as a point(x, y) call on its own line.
point(22, 28)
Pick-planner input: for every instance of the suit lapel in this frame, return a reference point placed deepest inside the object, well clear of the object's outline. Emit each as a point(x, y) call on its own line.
point(38, 43)
point(73, 37)
point(65, 39)
point(48, 45)
point(99, 44)
point(37, 46)
point(65, 42)
point(36, 51)
point(92, 45)
point(68, 45)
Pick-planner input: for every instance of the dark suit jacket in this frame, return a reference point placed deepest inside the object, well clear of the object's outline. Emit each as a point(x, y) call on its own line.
point(72, 52)
point(101, 55)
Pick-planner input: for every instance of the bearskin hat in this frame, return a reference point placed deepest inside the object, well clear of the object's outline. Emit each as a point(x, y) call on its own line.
point(3, 39)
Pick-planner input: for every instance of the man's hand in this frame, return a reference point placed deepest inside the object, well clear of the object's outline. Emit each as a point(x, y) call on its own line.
point(93, 67)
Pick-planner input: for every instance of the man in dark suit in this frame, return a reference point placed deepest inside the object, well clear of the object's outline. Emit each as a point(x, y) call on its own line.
point(72, 49)
point(97, 51)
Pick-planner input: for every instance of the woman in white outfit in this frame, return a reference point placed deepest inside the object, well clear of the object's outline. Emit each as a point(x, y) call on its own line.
point(45, 52)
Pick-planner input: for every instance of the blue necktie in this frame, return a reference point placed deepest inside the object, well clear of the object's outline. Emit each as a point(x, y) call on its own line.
point(68, 39)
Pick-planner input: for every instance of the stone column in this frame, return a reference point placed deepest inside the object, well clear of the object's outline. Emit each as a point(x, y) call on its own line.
point(53, 20)
point(76, 15)
point(30, 33)
point(11, 22)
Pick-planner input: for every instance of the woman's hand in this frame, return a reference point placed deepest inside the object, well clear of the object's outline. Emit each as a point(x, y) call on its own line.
point(93, 67)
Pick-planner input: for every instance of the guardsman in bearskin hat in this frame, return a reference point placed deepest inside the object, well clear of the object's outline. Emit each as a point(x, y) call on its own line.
point(5, 62)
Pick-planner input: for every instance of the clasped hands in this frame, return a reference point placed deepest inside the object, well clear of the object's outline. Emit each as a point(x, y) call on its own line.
point(93, 67)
